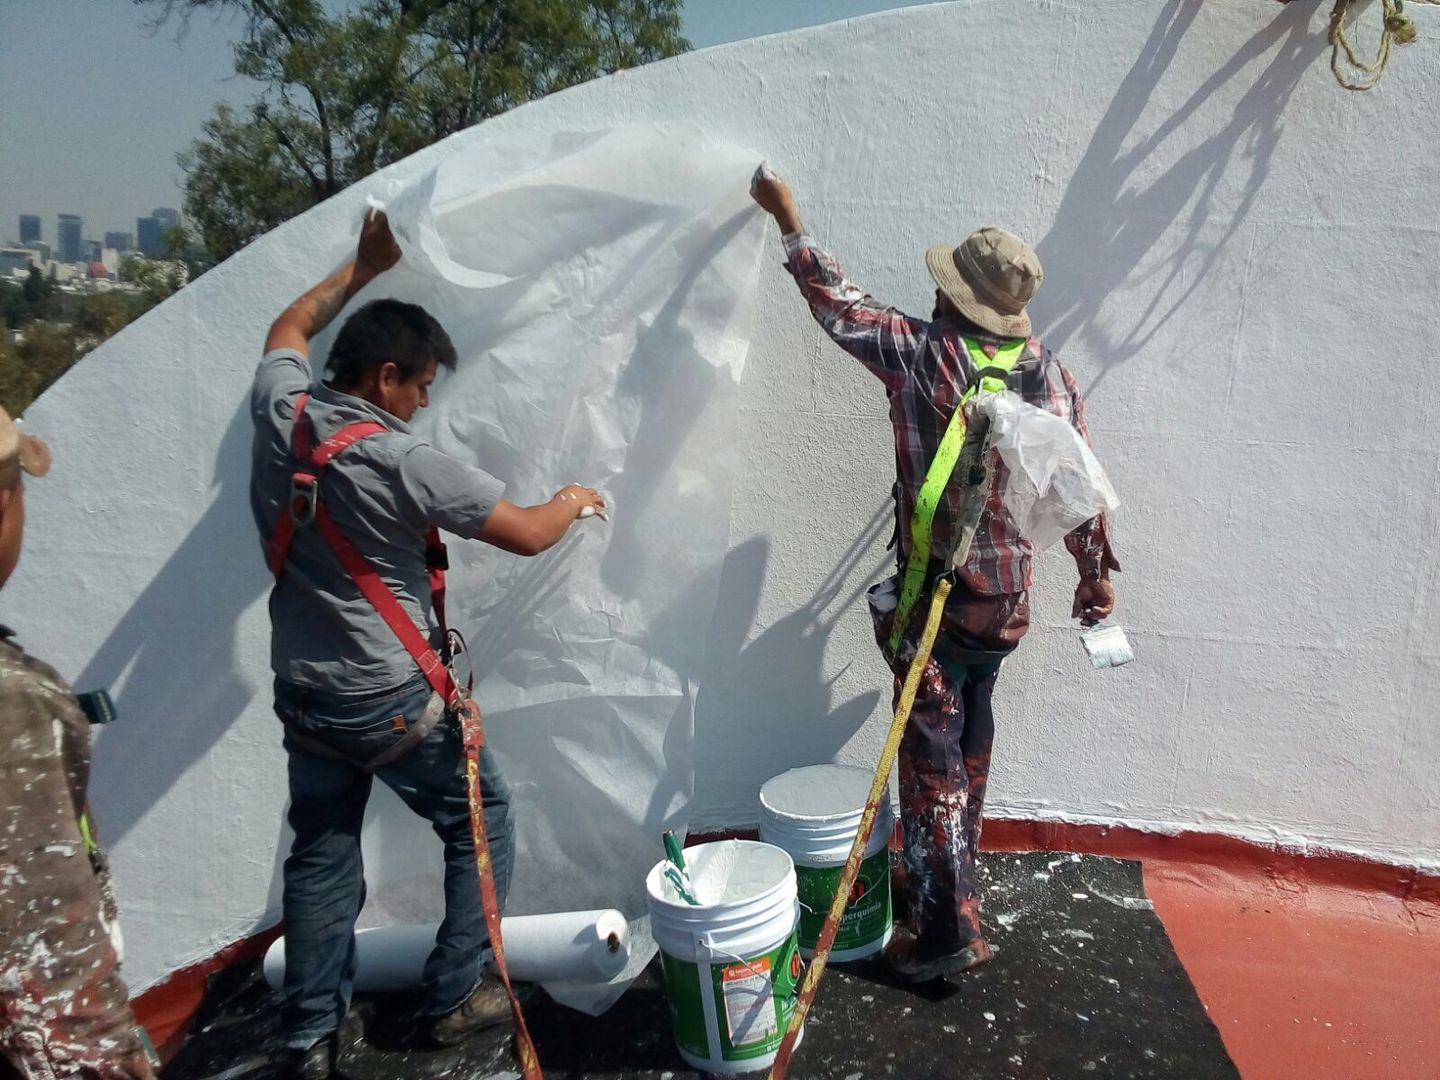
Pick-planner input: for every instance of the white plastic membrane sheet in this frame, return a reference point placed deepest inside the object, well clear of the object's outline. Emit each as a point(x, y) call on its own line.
point(597, 290)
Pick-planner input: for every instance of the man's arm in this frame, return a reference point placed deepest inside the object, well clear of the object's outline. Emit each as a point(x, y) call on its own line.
point(1089, 544)
point(529, 530)
point(885, 340)
point(317, 307)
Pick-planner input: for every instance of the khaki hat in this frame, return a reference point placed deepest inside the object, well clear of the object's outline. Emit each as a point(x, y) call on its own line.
point(19, 451)
point(990, 278)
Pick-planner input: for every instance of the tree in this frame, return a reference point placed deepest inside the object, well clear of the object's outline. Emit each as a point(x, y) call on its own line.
point(35, 298)
point(350, 89)
point(182, 245)
point(101, 315)
point(28, 367)
point(12, 305)
point(157, 278)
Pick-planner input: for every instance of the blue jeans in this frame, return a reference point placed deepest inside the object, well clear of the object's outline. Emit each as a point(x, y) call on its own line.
point(324, 875)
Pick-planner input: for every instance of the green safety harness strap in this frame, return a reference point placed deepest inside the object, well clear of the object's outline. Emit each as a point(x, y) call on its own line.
point(937, 479)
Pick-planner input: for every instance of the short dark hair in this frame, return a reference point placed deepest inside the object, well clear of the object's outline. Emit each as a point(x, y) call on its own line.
point(404, 334)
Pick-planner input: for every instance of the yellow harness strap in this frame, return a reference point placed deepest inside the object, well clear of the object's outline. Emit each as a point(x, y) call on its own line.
point(937, 479)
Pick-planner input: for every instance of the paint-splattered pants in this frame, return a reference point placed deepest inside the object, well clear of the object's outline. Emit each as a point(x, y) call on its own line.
point(63, 1007)
point(944, 765)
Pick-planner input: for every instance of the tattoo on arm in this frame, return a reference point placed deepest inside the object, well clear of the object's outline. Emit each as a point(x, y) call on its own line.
point(316, 309)
point(327, 299)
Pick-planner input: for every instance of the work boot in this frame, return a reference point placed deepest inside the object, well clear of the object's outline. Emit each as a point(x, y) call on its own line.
point(909, 959)
point(314, 1063)
point(486, 1008)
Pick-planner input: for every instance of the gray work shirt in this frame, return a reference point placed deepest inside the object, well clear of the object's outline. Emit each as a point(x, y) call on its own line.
point(384, 493)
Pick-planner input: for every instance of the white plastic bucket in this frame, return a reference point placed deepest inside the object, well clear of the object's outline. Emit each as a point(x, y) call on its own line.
point(814, 813)
point(731, 963)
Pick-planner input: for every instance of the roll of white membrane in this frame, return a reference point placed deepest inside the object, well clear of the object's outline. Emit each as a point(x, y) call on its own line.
point(566, 946)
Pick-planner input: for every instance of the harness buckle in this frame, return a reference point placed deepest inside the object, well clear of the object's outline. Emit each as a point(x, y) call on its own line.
point(304, 497)
point(437, 557)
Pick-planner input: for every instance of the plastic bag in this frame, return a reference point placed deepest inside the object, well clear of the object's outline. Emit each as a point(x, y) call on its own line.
point(1054, 480)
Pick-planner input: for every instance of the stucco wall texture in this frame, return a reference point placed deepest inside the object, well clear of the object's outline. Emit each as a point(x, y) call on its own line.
point(1241, 267)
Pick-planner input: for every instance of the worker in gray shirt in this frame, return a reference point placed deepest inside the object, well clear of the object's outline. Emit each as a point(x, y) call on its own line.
point(347, 499)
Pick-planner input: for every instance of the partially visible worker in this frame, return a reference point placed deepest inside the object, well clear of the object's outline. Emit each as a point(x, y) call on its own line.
point(64, 1010)
point(347, 500)
point(979, 322)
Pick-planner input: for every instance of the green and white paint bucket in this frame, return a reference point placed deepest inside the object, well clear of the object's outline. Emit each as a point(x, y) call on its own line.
point(731, 962)
point(813, 813)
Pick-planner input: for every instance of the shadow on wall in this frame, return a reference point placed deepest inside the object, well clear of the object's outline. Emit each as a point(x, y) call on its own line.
point(1107, 224)
point(177, 643)
point(671, 381)
point(768, 706)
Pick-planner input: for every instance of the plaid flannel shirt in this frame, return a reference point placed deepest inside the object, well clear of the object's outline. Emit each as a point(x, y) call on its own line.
point(926, 368)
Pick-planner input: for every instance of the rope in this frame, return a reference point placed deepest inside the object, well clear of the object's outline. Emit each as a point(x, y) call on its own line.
point(473, 736)
point(1350, 70)
point(805, 995)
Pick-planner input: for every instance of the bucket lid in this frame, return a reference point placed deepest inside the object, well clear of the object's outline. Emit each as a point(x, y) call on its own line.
point(819, 793)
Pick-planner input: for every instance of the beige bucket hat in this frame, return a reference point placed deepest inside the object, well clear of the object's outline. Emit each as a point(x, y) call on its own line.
point(19, 451)
point(990, 278)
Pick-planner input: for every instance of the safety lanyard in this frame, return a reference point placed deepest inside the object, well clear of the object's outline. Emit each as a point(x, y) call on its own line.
point(937, 479)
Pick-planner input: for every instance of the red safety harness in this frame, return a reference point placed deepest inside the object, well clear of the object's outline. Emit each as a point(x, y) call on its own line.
point(304, 507)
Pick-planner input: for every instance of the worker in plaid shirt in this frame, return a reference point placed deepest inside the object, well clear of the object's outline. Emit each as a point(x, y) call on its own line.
point(926, 365)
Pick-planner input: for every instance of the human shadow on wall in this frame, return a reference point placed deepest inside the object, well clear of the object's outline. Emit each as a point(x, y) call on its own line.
point(672, 382)
point(771, 697)
point(1111, 217)
point(177, 642)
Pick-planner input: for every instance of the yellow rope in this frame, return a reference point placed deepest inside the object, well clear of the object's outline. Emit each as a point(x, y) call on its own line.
point(805, 994)
point(1354, 73)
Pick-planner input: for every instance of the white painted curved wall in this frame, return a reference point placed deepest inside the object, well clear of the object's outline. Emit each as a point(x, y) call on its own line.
point(1241, 266)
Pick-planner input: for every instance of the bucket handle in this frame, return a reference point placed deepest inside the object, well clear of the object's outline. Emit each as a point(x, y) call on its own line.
point(706, 950)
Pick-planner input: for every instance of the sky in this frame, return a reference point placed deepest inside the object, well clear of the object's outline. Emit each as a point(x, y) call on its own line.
point(94, 106)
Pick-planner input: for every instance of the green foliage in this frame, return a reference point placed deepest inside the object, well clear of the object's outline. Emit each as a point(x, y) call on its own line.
point(185, 246)
point(27, 368)
point(12, 305)
point(99, 316)
point(351, 88)
point(156, 278)
point(56, 329)
point(35, 298)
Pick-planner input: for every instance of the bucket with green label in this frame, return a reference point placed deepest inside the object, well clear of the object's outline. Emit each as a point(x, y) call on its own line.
point(813, 814)
point(732, 962)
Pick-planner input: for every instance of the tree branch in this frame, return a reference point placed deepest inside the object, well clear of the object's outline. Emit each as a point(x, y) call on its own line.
point(288, 145)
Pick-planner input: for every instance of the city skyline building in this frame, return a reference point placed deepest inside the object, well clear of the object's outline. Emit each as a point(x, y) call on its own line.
point(148, 235)
point(68, 236)
point(30, 229)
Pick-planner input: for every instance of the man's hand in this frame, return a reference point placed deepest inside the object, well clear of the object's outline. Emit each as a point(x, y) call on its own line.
point(1094, 600)
point(314, 309)
point(580, 499)
point(378, 249)
point(529, 530)
point(774, 197)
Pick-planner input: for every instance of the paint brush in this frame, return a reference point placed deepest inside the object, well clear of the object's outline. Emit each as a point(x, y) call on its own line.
point(675, 871)
point(1107, 645)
